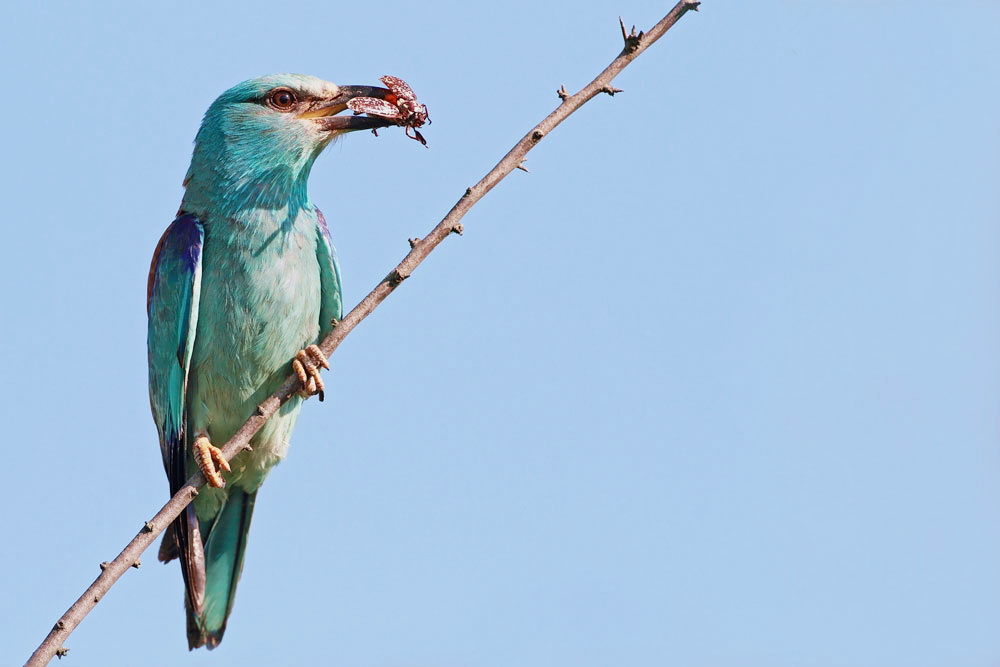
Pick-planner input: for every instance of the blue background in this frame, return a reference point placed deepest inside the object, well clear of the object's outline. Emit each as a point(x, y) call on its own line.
point(717, 383)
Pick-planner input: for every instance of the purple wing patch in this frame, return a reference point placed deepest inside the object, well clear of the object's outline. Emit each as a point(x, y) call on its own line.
point(183, 234)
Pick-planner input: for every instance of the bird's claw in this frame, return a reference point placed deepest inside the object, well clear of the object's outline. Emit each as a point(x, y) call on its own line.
point(210, 460)
point(307, 364)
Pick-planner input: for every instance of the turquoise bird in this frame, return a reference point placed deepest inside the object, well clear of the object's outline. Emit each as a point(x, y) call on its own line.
point(242, 285)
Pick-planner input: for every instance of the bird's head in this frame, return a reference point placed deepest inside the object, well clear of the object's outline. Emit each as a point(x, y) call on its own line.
point(258, 140)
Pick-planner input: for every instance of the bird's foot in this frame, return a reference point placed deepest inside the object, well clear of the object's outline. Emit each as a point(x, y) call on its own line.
point(210, 460)
point(306, 365)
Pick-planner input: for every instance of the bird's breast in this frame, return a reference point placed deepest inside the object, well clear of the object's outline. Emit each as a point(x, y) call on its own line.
point(260, 304)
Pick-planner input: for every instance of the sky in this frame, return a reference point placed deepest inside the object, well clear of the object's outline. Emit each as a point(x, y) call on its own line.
point(716, 383)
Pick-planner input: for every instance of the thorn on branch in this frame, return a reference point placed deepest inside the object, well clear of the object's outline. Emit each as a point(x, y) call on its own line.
point(458, 229)
point(61, 651)
point(468, 191)
point(632, 39)
point(611, 90)
point(137, 563)
point(148, 527)
point(522, 167)
point(104, 565)
point(562, 92)
point(414, 241)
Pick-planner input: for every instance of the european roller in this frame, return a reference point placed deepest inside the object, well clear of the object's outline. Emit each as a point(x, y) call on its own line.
point(242, 285)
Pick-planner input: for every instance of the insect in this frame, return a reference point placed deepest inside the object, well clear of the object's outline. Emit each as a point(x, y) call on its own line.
point(400, 105)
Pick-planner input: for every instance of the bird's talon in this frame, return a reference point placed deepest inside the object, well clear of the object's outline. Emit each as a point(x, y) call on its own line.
point(318, 356)
point(307, 364)
point(210, 460)
point(300, 371)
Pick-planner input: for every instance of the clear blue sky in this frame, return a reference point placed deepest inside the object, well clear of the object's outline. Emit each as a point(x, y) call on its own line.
point(716, 384)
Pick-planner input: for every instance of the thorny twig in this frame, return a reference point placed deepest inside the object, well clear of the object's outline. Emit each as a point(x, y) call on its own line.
point(635, 43)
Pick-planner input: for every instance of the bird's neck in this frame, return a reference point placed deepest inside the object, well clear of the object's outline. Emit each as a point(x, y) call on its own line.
point(231, 185)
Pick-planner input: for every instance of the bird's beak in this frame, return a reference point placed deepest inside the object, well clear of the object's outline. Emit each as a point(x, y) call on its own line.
point(324, 112)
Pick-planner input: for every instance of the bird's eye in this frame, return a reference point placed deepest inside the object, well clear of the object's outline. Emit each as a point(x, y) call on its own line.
point(281, 99)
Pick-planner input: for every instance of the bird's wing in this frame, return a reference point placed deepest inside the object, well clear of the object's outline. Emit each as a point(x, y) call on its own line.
point(172, 295)
point(332, 305)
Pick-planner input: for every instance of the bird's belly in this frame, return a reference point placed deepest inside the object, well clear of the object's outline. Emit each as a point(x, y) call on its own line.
point(255, 314)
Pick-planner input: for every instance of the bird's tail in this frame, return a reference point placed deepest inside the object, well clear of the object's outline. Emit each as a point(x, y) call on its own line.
point(211, 554)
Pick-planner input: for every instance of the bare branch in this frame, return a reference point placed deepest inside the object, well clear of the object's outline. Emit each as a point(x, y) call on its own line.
point(635, 43)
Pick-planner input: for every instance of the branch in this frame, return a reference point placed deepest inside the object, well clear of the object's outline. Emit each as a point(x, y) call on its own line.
point(635, 44)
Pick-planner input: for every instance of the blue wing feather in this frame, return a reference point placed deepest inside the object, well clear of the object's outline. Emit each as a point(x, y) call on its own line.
point(172, 300)
point(332, 304)
point(173, 293)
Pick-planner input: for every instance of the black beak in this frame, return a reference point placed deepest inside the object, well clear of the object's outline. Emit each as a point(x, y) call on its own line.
point(324, 114)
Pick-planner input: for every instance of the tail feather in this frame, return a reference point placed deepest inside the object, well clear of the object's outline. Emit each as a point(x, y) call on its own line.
point(221, 561)
point(187, 533)
point(169, 546)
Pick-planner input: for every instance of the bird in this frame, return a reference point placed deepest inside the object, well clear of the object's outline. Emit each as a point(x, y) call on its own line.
point(242, 285)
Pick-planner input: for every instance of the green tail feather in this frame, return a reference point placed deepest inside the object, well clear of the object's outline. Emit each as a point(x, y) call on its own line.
point(224, 548)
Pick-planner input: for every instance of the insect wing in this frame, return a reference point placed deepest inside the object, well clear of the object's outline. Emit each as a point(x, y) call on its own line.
point(373, 106)
point(399, 87)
